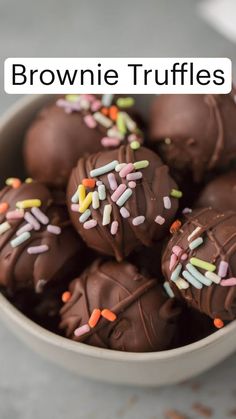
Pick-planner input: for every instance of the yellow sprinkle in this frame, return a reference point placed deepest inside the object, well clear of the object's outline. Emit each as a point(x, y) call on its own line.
point(135, 145)
point(86, 203)
point(72, 98)
point(82, 193)
point(28, 180)
point(120, 122)
point(142, 164)
point(28, 203)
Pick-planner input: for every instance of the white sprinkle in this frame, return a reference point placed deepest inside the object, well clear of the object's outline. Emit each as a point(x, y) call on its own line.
point(104, 169)
point(114, 227)
point(85, 216)
point(213, 277)
point(107, 100)
point(102, 192)
point(182, 284)
point(114, 133)
point(54, 229)
point(107, 215)
point(124, 212)
point(168, 289)
point(20, 239)
point(4, 227)
point(187, 211)
point(138, 220)
point(75, 197)
point(40, 215)
point(102, 119)
point(130, 123)
point(194, 232)
point(95, 200)
point(35, 250)
point(120, 166)
point(40, 285)
point(167, 202)
point(160, 220)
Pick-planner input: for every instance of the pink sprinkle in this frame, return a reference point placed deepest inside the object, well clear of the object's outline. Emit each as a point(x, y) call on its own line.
point(96, 105)
point(31, 220)
point(112, 181)
point(124, 212)
point(138, 220)
point(184, 256)
point(75, 207)
point(114, 227)
point(35, 250)
point(160, 220)
point(90, 121)
point(134, 176)
point(132, 184)
point(90, 224)
point(118, 192)
point(126, 170)
point(177, 250)
point(54, 229)
point(110, 142)
point(89, 98)
point(167, 202)
point(228, 282)
point(24, 229)
point(40, 215)
point(223, 269)
point(15, 215)
point(173, 260)
point(82, 330)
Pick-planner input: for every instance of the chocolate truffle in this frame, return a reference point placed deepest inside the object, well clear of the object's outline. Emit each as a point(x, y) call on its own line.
point(200, 262)
point(194, 133)
point(72, 127)
point(121, 199)
point(220, 193)
point(37, 242)
point(113, 306)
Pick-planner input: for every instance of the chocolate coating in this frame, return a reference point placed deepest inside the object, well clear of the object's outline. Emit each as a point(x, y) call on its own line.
point(18, 269)
point(56, 140)
point(219, 244)
point(146, 200)
point(194, 133)
point(146, 318)
point(220, 193)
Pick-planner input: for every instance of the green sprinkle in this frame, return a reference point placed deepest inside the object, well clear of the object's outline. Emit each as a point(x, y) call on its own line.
point(72, 98)
point(125, 102)
point(135, 145)
point(196, 243)
point(142, 164)
point(202, 264)
point(175, 193)
point(175, 274)
point(120, 122)
point(20, 239)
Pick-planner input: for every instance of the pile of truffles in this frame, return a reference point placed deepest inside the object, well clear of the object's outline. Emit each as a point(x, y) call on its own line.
point(125, 229)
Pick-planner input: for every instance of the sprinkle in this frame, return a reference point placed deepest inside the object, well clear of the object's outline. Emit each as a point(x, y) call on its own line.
point(90, 121)
point(119, 167)
point(118, 192)
point(107, 100)
point(72, 98)
point(182, 284)
point(196, 243)
point(114, 227)
point(192, 280)
point(194, 232)
point(135, 145)
point(120, 122)
point(223, 269)
point(14, 182)
point(88, 183)
point(130, 123)
point(107, 215)
point(75, 197)
point(94, 318)
point(168, 289)
point(102, 119)
point(175, 226)
point(84, 104)
point(112, 181)
point(110, 142)
point(167, 141)
point(4, 227)
point(66, 296)
point(138, 220)
point(74, 207)
point(3, 207)
point(81, 193)
point(132, 185)
point(124, 212)
point(167, 202)
point(96, 105)
point(230, 282)
point(28, 203)
point(26, 227)
point(95, 200)
point(20, 239)
point(86, 202)
point(28, 180)
point(201, 278)
point(90, 224)
point(218, 323)
point(85, 216)
point(99, 182)
point(40, 215)
point(187, 211)
point(126, 170)
point(134, 176)
point(160, 220)
point(35, 250)
point(114, 133)
point(104, 169)
point(184, 256)
point(15, 215)
point(142, 164)
point(82, 330)
point(90, 98)
point(175, 193)
point(40, 286)
point(108, 315)
point(102, 192)
point(176, 272)
point(177, 250)
point(202, 264)
point(124, 197)
point(132, 137)
point(125, 102)
point(54, 229)
point(213, 277)
point(31, 220)
point(173, 260)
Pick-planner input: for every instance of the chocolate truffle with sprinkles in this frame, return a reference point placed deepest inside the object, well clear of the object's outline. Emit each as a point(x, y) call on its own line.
point(74, 126)
point(200, 263)
point(113, 306)
point(38, 245)
point(121, 199)
point(194, 133)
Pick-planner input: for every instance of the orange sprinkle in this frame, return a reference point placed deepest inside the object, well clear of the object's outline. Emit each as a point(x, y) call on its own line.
point(89, 183)
point(95, 316)
point(105, 111)
point(218, 323)
point(3, 207)
point(16, 183)
point(66, 296)
point(113, 112)
point(175, 226)
point(108, 314)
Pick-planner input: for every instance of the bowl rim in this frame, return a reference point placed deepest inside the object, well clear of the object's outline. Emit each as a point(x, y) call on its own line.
point(29, 326)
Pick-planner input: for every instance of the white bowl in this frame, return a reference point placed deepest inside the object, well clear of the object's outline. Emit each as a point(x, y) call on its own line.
point(140, 369)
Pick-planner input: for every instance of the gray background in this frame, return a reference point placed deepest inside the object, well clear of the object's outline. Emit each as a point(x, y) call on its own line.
point(30, 388)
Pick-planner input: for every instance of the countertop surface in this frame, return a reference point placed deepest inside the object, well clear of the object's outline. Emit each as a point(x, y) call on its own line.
point(31, 388)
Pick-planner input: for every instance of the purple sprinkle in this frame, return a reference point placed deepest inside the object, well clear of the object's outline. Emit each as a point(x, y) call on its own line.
point(223, 269)
point(82, 330)
point(35, 250)
point(25, 228)
point(31, 220)
point(124, 212)
point(54, 229)
point(186, 211)
point(75, 207)
point(160, 220)
point(138, 220)
point(41, 217)
point(112, 181)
